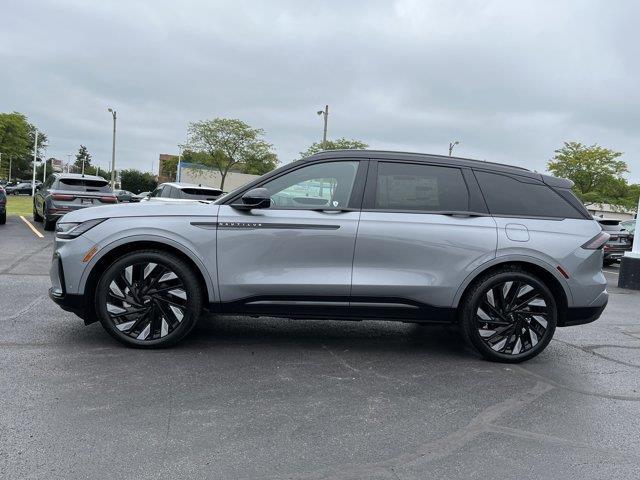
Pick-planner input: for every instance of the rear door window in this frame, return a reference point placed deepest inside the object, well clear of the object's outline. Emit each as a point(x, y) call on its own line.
point(509, 196)
point(83, 185)
point(427, 188)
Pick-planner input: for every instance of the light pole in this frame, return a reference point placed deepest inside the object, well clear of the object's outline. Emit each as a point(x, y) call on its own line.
point(10, 159)
point(68, 162)
point(35, 159)
point(113, 151)
point(451, 145)
point(324, 112)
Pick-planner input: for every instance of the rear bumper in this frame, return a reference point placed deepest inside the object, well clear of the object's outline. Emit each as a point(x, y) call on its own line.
point(582, 315)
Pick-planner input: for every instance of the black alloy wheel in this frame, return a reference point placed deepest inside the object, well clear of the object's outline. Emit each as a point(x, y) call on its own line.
point(148, 299)
point(509, 316)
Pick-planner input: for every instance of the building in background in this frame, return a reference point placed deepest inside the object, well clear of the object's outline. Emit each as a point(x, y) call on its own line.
point(613, 212)
point(199, 174)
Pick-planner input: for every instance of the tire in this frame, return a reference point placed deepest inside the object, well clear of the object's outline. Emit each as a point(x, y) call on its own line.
point(49, 225)
point(3, 218)
point(608, 263)
point(36, 215)
point(520, 318)
point(155, 319)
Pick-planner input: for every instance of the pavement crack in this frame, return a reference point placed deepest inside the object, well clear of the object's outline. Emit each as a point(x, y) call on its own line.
point(440, 448)
point(544, 437)
point(23, 257)
point(627, 398)
point(24, 310)
point(591, 350)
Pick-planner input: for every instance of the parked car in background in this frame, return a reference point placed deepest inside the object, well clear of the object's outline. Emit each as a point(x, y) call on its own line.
point(124, 196)
point(620, 240)
point(22, 188)
point(65, 192)
point(3, 206)
point(173, 191)
point(505, 253)
point(629, 226)
point(139, 196)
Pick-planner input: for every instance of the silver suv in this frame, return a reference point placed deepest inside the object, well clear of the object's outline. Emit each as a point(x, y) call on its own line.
point(505, 253)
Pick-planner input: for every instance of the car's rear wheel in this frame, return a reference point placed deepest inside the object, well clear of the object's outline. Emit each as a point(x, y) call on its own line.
point(148, 299)
point(3, 218)
point(36, 216)
point(509, 316)
point(49, 224)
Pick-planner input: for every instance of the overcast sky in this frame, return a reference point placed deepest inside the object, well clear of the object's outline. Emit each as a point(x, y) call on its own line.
point(511, 80)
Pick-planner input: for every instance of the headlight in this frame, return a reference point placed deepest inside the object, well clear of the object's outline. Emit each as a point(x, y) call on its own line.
point(74, 230)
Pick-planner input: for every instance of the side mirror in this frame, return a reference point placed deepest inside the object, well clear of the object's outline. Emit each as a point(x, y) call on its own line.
point(255, 198)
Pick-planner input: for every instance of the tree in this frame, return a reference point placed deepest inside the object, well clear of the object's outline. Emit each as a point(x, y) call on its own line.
point(168, 167)
point(338, 144)
point(17, 136)
point(83, 156)
point(228, 143)
point(136, 181)
point(595, 170)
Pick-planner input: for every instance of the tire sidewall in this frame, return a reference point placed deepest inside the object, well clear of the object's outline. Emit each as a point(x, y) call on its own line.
point(184, 273)
point(469, 323)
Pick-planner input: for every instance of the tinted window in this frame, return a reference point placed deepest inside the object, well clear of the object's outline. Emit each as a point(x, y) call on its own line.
point(406, 186)
point(83, 185)
point(157, 192)
point(202, 193)
point(509, 196)
point(315, 186)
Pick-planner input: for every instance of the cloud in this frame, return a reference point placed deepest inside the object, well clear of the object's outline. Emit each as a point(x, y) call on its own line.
point(510, 80)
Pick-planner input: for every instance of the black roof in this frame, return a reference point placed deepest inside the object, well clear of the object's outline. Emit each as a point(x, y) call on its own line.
point(444, 160)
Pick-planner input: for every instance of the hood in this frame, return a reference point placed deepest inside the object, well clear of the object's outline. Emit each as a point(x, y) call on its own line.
point(143, 209)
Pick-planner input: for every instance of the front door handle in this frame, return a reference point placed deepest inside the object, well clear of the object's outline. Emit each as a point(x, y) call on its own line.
point(330, 210)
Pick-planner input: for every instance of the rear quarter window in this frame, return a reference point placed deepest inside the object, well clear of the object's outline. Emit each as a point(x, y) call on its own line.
point(509, 196)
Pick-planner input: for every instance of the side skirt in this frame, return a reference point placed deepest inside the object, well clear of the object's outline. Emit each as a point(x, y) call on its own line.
point(337, 308)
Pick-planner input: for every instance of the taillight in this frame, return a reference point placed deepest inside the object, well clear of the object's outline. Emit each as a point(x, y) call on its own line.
point(596, 242)
point(108, 199)
point(59, 196)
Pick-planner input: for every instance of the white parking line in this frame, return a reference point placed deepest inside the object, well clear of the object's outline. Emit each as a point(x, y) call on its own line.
point(33, 229)
point(609, 271)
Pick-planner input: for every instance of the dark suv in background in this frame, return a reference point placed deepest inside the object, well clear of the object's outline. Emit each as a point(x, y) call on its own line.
point(620, 240)
point(3, 206)
point(64, 192)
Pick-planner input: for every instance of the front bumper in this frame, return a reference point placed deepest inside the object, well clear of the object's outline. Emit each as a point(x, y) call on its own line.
point(70, 303)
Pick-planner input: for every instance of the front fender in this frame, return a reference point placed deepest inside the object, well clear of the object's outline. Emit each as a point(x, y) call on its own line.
point(162, 237)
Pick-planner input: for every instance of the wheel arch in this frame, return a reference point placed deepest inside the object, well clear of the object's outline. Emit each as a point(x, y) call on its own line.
point(117, 249)
point(545, 272)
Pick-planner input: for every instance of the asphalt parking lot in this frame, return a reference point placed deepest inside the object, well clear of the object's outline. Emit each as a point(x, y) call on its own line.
point(273, 398)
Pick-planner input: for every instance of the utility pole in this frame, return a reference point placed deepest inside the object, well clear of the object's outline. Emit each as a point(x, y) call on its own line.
point(68, 162)
point(83, 166)
point(35, 159)
point(10, 159)
point(44, 171)
point(113, 151)
point(451, 145)
point(324, 112)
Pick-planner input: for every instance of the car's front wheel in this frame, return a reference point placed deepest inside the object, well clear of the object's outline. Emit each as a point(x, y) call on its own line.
point(509, 315)
point(148, 299)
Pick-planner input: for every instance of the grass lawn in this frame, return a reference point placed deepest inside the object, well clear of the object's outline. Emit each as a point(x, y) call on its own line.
point(19, 205)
